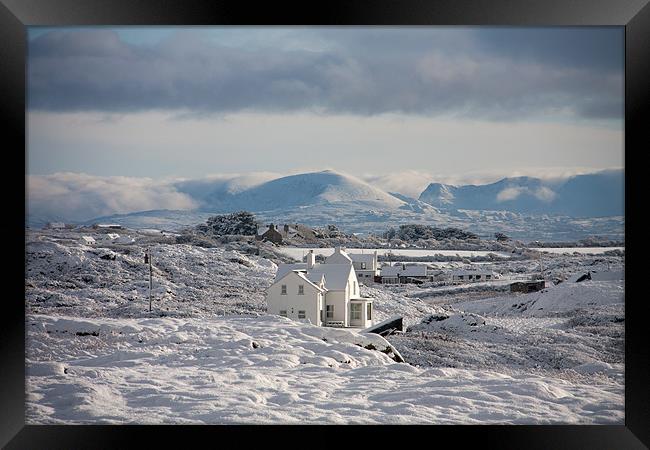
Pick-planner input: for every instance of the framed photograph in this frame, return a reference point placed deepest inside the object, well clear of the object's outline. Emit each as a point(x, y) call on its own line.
point(401, 216)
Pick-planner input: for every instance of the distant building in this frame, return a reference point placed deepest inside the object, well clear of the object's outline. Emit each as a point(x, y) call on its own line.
point(472, 275)
point(55, 225)
point(272, 235)
point(88, 240)
point(528, 286)
point(112, 226)
point(402, 273)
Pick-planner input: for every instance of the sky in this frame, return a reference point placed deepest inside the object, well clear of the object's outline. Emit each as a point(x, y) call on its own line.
point(401, 106)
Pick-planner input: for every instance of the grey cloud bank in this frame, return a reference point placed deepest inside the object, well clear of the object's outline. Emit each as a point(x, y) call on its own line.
point(492, 74)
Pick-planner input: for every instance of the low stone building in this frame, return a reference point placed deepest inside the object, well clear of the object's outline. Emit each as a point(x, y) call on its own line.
point(272, 235)
point(528, 286)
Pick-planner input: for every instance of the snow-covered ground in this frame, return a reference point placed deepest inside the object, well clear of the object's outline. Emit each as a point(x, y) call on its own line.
point(272, 370)
point(95, 354)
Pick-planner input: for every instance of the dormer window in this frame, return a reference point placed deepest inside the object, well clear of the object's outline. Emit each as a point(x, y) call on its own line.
point(301, 289)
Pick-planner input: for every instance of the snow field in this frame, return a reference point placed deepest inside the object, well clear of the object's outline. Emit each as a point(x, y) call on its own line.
point(271, 370)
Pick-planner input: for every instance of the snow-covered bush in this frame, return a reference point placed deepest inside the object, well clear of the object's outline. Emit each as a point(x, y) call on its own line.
point(241, 222)
point(413, 232)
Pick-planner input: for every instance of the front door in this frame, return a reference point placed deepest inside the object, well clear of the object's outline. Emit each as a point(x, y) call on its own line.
point(355, 314)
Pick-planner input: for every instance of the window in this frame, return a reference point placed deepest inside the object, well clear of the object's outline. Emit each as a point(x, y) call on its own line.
point(283, 312)
point(470, 277)
point(460, 277)
point(301, 314)
point(301, 289)
point(369, 311)
point(284, 289)
point(363, 266)
point(330, 311)
point(355, 311)
point(478, 277)
point(487, 277)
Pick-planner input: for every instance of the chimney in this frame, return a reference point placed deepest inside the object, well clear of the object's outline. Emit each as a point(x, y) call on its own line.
point(311, 259)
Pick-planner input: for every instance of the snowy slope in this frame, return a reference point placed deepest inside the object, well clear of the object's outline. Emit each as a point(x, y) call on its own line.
point(309, 189)
point(272, 370)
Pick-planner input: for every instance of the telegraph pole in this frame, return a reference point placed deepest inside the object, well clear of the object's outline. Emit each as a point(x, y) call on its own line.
point(147, 259)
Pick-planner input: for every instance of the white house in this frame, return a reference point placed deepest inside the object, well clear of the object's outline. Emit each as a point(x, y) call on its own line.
point(88, 240)
point(472, 275)
point(323, 294)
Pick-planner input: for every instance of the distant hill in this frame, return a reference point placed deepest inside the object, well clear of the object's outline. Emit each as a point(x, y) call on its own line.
point(594, 195)
point(305, 189)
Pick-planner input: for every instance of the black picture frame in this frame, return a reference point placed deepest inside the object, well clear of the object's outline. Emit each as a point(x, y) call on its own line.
point(16, 15)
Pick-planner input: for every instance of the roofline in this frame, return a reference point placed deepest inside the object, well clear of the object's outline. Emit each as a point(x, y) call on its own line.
point(297, 272)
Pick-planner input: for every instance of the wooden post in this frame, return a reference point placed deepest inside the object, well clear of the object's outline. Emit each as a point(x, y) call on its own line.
point(150, 280)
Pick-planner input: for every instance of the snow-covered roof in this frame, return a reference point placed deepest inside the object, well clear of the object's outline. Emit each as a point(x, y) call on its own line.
point(416, 270)
point(284, 268)
point(336, 275)
point(365, 257)
point(301, 275)
point(339, 256)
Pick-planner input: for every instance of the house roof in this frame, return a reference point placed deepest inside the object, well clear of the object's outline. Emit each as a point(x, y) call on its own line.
point(300, 274)
point(359, 257)
point(338, 257)
point(417, 270)
point(336, 275)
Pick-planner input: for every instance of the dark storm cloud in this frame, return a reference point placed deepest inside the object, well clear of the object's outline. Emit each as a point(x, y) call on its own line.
point(497, 74)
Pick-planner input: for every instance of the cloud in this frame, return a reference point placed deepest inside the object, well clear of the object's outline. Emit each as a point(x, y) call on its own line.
point(510, 193)
point(542, 193)
point(337, 71)
point(410, 182)
point(79, 197)
point(545, 194)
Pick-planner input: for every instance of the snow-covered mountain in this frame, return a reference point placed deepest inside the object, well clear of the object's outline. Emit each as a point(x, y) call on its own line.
point(305, 189)
point(524, 208)
point(593, 195)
